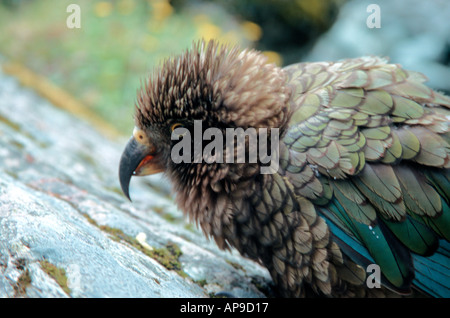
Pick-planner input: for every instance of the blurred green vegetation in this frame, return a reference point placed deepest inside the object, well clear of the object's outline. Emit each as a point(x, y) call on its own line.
point(290, 27)
point(104, 62)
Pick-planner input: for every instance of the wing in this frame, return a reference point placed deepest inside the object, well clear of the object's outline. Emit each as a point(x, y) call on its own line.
point(368, 144)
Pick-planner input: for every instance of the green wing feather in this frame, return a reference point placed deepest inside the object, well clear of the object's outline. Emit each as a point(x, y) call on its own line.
point(368, 144)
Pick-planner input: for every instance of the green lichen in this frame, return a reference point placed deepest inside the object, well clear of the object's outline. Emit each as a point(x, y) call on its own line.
point(115, 189)
point(117, 234)
point(167, 256)
point(158, 209)
point(89, 219)
point(17, 144)
point(236, 265)
point(24, 280)
point(190, 227)
point(170, 218)
point(10, 124)
point(57, 273)
point(201, 282)
point(165, 215)
point(20, 288)
point(17, 128)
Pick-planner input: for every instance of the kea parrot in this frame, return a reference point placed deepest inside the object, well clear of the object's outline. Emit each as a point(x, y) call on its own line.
point(362, 184)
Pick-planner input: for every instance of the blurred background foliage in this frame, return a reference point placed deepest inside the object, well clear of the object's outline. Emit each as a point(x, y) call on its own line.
point(101, 65)
point(95, 71)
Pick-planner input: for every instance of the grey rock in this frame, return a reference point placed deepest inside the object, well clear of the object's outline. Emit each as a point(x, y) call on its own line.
point(413, 33)
point(60, 201)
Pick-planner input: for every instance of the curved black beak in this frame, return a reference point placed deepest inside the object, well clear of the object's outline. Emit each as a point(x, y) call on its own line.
point(131, 157)
point(138, 159)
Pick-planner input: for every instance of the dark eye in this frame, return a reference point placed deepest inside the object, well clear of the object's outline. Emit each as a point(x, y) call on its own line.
point(174, 126)
point(139, 135)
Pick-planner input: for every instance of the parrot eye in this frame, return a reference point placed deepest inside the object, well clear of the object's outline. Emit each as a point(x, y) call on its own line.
point(139, 134)
point(174, 126)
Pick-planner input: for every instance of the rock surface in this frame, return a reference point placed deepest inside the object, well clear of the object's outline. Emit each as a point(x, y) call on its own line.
point(66, 230)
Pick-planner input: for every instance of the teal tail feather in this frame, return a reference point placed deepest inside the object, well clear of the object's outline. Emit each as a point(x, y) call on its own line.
point(433, 272)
